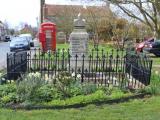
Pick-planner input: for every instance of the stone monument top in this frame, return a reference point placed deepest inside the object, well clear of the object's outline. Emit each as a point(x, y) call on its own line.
point(79, 23)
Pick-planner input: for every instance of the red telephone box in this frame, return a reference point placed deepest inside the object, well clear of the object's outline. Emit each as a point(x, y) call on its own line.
point(47, 36)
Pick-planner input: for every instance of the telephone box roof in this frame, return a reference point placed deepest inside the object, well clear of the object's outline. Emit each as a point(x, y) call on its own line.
point(48, 23)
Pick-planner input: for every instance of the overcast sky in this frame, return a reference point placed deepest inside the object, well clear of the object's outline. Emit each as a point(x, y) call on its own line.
point(24, 11)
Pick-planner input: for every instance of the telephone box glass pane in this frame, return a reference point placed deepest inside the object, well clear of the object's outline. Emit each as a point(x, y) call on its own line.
point(48, 40)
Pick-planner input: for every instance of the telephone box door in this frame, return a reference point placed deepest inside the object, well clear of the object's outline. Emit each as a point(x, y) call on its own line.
point(48, 40)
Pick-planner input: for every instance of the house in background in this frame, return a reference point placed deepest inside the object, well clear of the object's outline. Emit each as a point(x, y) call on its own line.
point(3, 31)
point(63, 16)
point(29, 29)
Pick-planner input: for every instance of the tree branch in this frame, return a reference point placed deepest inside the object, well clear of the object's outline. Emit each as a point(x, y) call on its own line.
point(129, 13)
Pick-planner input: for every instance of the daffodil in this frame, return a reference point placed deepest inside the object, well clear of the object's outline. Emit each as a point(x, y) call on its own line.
point(79, 76)
point(73, 74)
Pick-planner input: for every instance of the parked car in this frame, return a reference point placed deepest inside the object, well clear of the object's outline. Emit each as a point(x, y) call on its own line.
point(19, 43)
point(7, 38)
point(153, 48)
point(36, 43)
point(28, 37)
point(140, 46)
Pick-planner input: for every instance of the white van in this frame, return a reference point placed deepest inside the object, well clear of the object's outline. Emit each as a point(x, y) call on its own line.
point(28, 37)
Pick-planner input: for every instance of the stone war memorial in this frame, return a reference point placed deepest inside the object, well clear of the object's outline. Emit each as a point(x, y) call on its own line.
point(79, 44)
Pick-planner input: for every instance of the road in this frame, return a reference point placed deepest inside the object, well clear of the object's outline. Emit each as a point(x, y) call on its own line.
point(4, 49)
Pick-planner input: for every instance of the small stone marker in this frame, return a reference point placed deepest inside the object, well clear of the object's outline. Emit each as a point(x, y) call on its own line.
point(61, 37)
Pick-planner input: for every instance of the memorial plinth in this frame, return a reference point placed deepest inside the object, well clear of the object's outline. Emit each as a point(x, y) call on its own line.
point(79, 45)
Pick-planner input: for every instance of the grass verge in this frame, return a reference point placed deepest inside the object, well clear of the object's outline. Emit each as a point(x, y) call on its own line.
point(144, 109)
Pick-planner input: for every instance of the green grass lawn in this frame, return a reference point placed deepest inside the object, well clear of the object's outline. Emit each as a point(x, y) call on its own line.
point(61, 46)
point(144, 109)
point(90, 46)
point(103, 49)
point(156, 61)
point(107, 49)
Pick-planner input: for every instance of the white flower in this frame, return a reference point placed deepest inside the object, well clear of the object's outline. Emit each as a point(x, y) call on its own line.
point(73, 74)
point(3, 79)
point(65, 50)
point(79, 76)
point(30, 75)
point(37, 74)
point(46, 77)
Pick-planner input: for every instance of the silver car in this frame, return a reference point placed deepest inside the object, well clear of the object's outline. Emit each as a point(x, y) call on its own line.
point(28, 37)
point(19, 43)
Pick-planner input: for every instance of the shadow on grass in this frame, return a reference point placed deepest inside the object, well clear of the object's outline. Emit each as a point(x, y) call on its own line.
point(79, 105)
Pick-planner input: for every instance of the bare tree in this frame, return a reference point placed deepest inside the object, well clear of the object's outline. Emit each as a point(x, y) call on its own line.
point(64, 20)
point(93, 22)
point(145, 11)
point(7, 26)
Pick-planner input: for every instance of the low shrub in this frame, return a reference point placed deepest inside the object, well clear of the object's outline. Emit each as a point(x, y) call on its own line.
point(11, 97)
point(47, 93)
point(27, 88)
point(107, 90)
point(75, 89)
point(117, 93)
point(64, 83)
point(95, 97)
point(88, 88)
point(7, 89)
point(99, 95)
point(68, 86)
point(7, 93)
point(65, 78)
point(33, 89)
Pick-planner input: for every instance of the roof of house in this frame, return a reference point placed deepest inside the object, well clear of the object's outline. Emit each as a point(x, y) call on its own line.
point(53, 10)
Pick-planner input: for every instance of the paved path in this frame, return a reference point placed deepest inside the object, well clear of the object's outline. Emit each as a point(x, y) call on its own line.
point(4, 48)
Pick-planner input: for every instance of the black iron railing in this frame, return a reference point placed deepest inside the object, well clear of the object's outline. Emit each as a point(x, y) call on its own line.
point(16, 64)
point(116, 68)
point(139, 67)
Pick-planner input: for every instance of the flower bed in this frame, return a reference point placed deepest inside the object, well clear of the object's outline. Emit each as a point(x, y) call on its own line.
point(66, 91)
